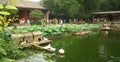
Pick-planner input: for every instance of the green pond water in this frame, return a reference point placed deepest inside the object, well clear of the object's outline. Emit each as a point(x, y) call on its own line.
point(101, 46)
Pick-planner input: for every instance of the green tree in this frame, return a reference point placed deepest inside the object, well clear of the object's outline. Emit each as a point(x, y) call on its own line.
point(72, 8)
point(54, 9)
point(109, 5)
point(79, 8)
point(4, 13)
point(36, 14)
point(68, 7)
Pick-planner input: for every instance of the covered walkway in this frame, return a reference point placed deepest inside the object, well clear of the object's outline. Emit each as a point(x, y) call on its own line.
point(108, 16)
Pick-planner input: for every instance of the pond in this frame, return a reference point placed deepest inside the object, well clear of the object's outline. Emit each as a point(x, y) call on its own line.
point(100, 46)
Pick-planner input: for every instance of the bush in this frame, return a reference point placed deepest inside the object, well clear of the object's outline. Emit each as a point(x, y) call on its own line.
point(44, 21)
point(37, 14)
point(7, 47)
point(35, 23)
point(52, 30)
point(55, 21)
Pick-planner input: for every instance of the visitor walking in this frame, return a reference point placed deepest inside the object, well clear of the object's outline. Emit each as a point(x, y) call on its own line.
point(61, 22)
point(28, 22)
point(50, 21)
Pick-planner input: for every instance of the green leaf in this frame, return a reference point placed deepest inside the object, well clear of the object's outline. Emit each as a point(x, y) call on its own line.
point(2, 51)
point(1, 17)
point(0, 28)
point(4, 13)
point(3, 59)
point(13, 1)
point(36, 14)
point(6, 24)
point(1, 6)
point(10, 7)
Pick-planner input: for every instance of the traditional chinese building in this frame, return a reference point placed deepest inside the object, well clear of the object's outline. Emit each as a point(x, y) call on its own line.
point(25, 7)
point(108, 16)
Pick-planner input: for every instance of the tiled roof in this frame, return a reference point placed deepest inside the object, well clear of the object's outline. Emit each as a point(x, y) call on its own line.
point(107, 12)
point(26, 4)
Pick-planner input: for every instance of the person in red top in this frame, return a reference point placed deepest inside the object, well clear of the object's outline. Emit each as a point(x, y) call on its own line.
point(50, 21)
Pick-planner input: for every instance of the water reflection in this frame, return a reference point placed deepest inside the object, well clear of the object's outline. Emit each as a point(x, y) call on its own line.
point(108, 46)
point(35, 58)
point(104, 55)
point(102, 51)
point(100, 46)
point(106, 32)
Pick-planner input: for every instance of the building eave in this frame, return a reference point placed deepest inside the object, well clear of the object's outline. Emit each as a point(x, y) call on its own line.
point(107, 12)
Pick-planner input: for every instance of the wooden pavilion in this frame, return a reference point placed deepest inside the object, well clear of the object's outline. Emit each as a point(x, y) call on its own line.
point(25, 7)
point(108, 16)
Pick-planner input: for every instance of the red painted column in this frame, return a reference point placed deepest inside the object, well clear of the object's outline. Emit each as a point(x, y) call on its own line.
point(24, 13)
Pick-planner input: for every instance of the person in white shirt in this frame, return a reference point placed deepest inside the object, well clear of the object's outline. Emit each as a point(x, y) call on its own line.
point(28, 22)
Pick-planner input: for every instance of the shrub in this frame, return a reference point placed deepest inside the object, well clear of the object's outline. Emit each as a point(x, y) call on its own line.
point(44, 21)
point(5, 11)
point(35, 23)
point(36, 14)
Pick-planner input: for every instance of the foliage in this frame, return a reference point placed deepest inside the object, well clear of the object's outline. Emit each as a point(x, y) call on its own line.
point(10, 7)
point(79, 8)
point(14, 27)
point(55, 21)
point(109, 5)
point(3, 49)
point(35, 23)
point(36, 14)
point(4, 12)
point(1, 6)
point(8, 49)
point(44, 21)
point(53, 8)
point(4, 37)
point(3, 59)
point(53, 30)
point(71, 8)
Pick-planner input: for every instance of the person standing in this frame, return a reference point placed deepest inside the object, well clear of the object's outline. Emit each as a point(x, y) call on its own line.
point(47, 21)
point(28, 22)
point(50, 21)
point(61, 22)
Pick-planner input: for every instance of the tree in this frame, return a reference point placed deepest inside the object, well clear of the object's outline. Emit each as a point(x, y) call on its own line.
point(4, 13)
point(72, 8)
point(37, 14)
point(54, 9)
point(69, 7)
point(80, 8)
point(109, 5)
